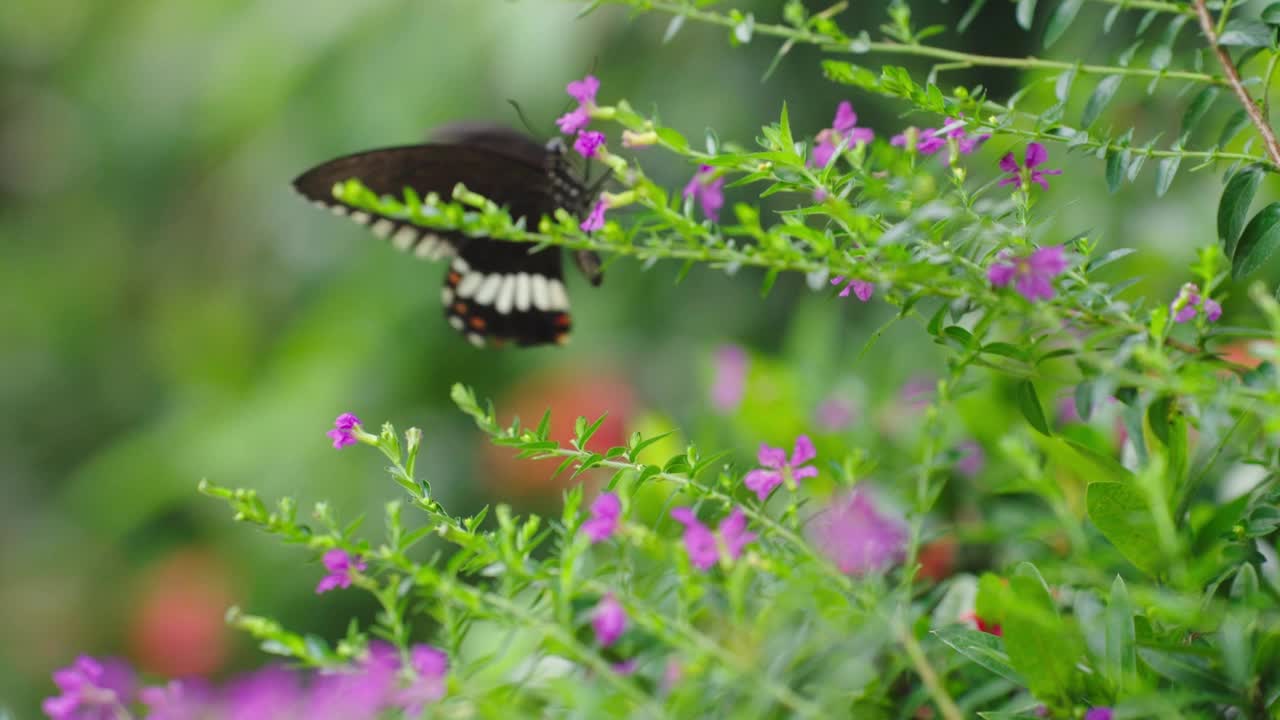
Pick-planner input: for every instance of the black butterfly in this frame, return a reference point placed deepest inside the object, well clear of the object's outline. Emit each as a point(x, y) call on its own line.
point(494, 291)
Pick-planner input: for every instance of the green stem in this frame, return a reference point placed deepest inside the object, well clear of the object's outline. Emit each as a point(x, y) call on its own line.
point(841, 45)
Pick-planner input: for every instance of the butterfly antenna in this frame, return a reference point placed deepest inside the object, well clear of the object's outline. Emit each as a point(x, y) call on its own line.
point(524, 119)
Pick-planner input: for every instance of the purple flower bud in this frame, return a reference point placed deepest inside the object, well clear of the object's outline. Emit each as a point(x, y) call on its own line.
point(589, 143)
point(595, 220)
point(343, 432)
point(609, 620)
point(341, 567)
point(708, 191)
point(605, 511)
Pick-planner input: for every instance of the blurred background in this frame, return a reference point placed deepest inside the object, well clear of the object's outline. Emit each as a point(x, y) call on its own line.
point(172, 311)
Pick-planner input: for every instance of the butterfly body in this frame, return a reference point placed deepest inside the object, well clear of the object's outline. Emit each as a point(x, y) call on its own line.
point(494, 291)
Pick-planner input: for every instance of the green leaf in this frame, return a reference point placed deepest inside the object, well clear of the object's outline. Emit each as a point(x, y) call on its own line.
point(1099, 99)
point(1257, 242)
point(1120, 512)
point(1246, 33)
point(1031, 408)
point(970, 15)
point(1060, 20)
point(1271, 14)
point(1163, 54)
point(1198, 107)
point(1237, 122)
point(1121, 649)
point(1165, 172)
point(1042, 648)
point(1025, 13)
point(1115, 170)
point(1083, 396)
point(980, 647)
point(1233, 206)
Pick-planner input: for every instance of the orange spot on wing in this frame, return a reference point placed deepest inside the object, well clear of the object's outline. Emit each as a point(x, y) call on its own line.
point(477, 322)
point(460, 308)
point(562, 320)
point(454, 278)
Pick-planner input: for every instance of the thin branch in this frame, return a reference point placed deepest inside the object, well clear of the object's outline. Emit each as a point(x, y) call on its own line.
point(1237, 85)
point(840, 44)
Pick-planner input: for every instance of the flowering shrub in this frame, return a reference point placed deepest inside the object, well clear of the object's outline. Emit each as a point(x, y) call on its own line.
point(1125, 577)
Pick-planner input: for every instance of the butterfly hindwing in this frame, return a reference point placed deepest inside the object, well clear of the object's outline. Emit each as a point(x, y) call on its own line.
point(498, 292)
point(494, 292)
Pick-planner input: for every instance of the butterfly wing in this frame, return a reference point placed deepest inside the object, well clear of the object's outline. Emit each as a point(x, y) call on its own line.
point(494, 290)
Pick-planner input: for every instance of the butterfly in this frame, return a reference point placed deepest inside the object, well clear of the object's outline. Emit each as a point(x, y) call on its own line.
point(495, 292)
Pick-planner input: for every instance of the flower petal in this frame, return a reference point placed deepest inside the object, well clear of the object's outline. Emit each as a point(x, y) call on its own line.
point(771, 457)
point(1036, 154)
point(1008, 164)
point(762, 482)
point(803, 452)
point(845, 119)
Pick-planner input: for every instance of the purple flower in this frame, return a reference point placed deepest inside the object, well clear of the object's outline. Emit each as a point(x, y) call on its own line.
point(178, 700)
point(1033, 275)
point(856, 537)
point(1024, 175)
point(917, 393)
point(609, 620)
point(589, 143)
point(91, 689)
point(360, 692)
point(835, 414)
point(576, 120)
point(595, 220)
point(704, 547)
point(730, 378)
point(344, 429)
point(708, 191)
point(1098, 713)
point(861, 288)
point(605, 511)
point(431, 666)
point(626, 667)
point(584, 90)
point(1188, 303)
point(777, 469)
point(843, 130)
point(272, 692)
point(341, 566)
point(971, 459)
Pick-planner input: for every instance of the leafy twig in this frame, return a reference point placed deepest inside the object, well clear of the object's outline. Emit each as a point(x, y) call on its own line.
point(1237, 85)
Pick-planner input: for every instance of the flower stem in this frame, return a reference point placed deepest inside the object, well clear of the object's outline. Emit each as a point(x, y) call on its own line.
point(1237, 85)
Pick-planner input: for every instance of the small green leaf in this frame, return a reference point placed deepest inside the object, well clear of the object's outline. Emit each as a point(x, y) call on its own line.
point(1084, 400)
point(970, 15)
point(1237, 122)
point(1271, 14)
point(1099, 99)
point(1121, 514)
point(1025, 13)
point(1233, 206)
point(1115, 170)
point(1198, 107)
point(1122, 653)
point(1257, 242)
point(1165, 173)
point(1029, 403)
point(1246, 33)
point(980, 647)
point(1163, 54)
point(1060, 20)
point(1042, 647)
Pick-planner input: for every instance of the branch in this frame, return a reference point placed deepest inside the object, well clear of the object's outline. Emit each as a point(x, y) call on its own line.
point(1237, 85)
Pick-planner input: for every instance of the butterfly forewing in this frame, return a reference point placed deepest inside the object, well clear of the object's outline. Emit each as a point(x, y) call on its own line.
point(494, 291)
